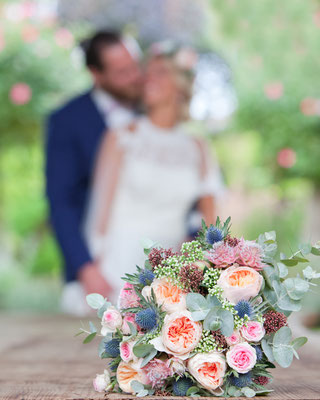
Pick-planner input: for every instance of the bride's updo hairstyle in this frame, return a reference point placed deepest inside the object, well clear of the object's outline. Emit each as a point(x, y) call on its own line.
point(182, 61)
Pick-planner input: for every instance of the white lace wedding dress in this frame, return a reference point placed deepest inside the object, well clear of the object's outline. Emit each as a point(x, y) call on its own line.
point(160, 179)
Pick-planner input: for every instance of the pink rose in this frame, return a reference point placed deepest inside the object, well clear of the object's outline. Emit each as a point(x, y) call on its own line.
point(179, 335)
point(222, 255)
point(111, 320)
point(126, 350)
point(235, 338)
point(102, 382)
point(208, 369)
point(128, 297)
point(242, 357)
point(20, 93)
point(253, 332)
point(240, 283)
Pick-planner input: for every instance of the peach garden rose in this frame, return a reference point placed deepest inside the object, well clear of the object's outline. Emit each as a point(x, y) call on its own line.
point(128, 372)
point(208, 369)
point(179, 335)
point(169, 296)
point(240, 283)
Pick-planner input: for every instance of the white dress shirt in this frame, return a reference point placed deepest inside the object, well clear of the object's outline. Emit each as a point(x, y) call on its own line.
point(115, 114)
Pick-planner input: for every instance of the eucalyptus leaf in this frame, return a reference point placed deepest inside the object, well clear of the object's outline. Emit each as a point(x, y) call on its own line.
point(142, 393)
point(136, 386)
point(92, 327)
point(283, 270)
point(103, 308)
point(95, 300)
point(310, 273)
point(133, 329)
point(315, 251)
point(267, 349)
point(305, 248)
point(248, 392)
point(227, 323)
point(212, 321)
point(299, 342)
point(282, 336)
point(284, 302)
point(192, 390)
point(283, 355)
point(142, 349)
point(148, 358)
point(290, 262)
point(198, 306)
point(89, 338)
point(296, 287)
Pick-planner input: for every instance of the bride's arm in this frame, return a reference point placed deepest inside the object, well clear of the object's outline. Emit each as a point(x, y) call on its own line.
point(206, 202)
point(105, 180)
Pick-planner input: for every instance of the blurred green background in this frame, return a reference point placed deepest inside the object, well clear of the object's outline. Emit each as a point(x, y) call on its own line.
point(269, 150)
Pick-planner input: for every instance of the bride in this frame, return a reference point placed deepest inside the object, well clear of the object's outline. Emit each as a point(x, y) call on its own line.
point(149, 175)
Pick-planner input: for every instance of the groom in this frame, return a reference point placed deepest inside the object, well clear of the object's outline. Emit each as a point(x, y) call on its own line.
point(73, 135)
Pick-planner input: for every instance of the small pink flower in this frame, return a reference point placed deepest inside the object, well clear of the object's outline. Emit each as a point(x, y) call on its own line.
point(102, 382)
point(20, 93)
point(128, 297)
point(64, 38)
point(158, 371)
point(249, 254)
point(129, 317)
point(253, 332)
point(273, 90)
point(310, 106)
point(242, 357)
point(111, 320)
point(29, 34)
point(286, 158)
point(126, 351)
point(235, 338)
point(222, 255)
point(316, 19)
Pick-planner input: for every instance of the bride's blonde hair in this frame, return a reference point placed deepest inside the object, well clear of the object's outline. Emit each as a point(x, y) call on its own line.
point(182, 61)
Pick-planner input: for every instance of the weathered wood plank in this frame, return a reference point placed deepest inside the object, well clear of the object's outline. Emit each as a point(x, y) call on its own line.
point(41, 359)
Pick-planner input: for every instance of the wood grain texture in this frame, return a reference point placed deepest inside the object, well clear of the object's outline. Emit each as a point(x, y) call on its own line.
point(41, 359)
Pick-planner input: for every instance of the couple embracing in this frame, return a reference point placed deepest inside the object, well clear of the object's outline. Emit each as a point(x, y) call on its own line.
point(115, 174)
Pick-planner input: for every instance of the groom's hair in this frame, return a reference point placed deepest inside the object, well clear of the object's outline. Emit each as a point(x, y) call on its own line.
point(94, 45)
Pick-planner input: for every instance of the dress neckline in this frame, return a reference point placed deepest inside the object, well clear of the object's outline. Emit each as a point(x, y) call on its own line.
point(159, 130)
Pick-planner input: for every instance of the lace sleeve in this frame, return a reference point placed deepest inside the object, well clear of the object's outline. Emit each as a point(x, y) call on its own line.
point(211, 180)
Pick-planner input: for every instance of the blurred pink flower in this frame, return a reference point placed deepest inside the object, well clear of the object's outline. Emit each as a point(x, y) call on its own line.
point(20, 93)
point(2, 41)
point(286, 158)
point(64, 38)
point(128, 297)
point(273, 90)
point(316, 18)
point(29, 33)
point(28, 9)
point(310, 106)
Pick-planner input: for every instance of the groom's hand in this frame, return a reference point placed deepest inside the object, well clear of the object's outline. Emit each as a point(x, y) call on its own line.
point(93, 281)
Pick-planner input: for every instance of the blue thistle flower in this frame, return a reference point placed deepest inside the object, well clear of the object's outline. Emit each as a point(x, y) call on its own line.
point(243, 307)
point(213, 235)
point(146, 277)
point(147, 319)
point(112, 347)
point(181, 386)
point(242, 381)
point(258, 352)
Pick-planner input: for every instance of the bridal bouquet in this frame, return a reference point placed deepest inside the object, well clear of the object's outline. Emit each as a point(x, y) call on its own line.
point(211, 320)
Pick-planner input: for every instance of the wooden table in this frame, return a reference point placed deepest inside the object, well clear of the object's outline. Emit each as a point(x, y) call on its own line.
point(41, 359)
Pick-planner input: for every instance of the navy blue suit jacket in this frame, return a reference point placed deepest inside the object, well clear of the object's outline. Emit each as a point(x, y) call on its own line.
point(73, 136)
